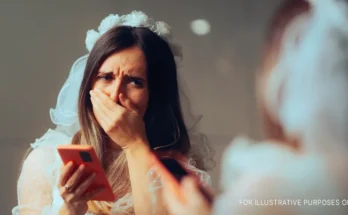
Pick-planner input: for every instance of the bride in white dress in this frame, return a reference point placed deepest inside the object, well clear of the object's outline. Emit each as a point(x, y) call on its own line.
point(301, 168)
point(123, 99)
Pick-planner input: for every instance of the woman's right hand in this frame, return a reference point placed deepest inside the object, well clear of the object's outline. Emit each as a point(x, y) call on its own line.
point(73, 189)
point(191, 201)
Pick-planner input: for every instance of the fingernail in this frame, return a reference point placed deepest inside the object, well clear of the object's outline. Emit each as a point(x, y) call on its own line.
point(97, 90)
point(91, 92)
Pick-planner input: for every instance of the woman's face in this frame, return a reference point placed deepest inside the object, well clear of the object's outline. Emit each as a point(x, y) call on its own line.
point(125, 72)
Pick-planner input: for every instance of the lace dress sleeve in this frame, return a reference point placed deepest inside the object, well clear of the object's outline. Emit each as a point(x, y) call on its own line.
point(35, 184)
point(36, 188)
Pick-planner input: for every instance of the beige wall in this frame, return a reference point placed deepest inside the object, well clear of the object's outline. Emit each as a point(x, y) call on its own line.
point(41, 39)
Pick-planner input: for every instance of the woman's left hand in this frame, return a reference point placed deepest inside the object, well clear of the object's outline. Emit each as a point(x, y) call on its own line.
point(194, 203)
point(122, 123)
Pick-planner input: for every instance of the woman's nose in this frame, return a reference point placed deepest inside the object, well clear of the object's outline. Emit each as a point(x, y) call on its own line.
point(115, 89)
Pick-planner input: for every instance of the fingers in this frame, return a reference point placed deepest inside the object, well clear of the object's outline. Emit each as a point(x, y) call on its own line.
point(102, 98)
point(66, 173)
point(90, 195)
point(80, 192)
point(107, 105)
point(201, 185)
point(171, 200)
point(105, 110)
point(191, 189)
point(104, 104)
point(75, 178)
point(208, 190)
point(125, 102)
point(193, 202)
point(99, 104)
point(100, 112)
point(81, 189)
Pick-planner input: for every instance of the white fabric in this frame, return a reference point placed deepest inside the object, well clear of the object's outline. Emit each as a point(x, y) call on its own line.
point(313, 108)
point(314, 76)
point(257, 175)
point(134, 19)
point(37, 185)
point(65, 113)
point(41, 170)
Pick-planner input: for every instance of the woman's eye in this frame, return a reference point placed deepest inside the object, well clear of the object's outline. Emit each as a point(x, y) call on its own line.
point(136, 81)
point(105, 77)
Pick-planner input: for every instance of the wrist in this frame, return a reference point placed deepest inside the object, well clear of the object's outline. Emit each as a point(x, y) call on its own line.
point(140, 146)
point(65, 210)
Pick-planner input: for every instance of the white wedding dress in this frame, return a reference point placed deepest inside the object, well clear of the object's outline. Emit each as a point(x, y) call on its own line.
point(42, 169)
point(307, 92)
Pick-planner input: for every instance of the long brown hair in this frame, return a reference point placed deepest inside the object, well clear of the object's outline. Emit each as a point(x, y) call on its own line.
point(286, 12)
point(163, 119)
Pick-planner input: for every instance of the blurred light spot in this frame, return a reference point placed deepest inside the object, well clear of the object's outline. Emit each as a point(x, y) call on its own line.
point(200, 27)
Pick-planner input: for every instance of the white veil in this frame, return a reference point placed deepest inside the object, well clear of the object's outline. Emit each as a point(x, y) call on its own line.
point(314, 70)
point(307, 90)
point(65, 115)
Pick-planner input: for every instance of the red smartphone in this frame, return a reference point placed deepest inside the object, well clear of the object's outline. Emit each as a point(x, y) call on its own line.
point(83, 154)
point(180, 172)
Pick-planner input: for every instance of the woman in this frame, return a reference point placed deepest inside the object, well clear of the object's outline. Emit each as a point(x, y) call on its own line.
point(301, 168)
point(128, 105)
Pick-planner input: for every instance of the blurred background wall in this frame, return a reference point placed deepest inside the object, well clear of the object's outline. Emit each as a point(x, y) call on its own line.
point(41, 39)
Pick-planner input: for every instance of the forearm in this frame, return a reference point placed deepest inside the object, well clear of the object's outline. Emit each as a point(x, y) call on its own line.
point(139, 163)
